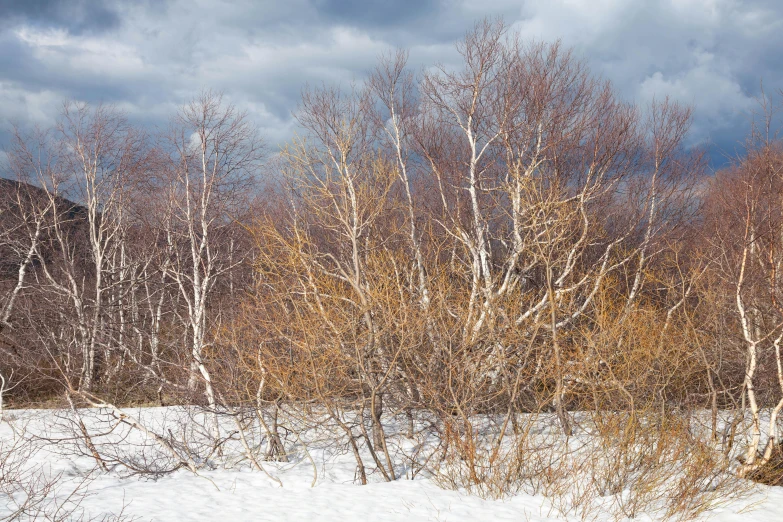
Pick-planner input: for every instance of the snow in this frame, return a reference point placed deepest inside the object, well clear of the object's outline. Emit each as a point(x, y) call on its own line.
point(237, 493)
point(244, 496)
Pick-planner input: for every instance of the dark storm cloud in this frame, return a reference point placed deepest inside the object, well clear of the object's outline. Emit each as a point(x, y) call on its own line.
point(149, 56)
point(77, 16)
point(376, 12)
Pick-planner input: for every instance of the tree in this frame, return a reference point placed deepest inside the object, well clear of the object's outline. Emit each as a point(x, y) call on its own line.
point(214, 155)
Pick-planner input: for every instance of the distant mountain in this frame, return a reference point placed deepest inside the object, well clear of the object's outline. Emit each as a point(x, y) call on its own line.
point(20, 203)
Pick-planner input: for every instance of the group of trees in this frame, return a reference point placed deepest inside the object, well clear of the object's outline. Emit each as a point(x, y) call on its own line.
point(466, 251)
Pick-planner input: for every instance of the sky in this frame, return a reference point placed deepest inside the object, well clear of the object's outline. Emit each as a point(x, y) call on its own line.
point(147, 57)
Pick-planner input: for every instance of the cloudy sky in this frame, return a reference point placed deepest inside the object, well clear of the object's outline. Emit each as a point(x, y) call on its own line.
point(149, 56)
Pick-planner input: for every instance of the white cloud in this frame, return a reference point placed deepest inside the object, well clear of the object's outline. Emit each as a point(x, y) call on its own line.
point(20, 106)
point(57, 49)
point(718, 98)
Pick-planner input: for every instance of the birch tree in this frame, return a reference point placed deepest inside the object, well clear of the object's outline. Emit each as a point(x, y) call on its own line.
point(531, 153)
point(86, 157)
point(746, 211)
point(215, 153)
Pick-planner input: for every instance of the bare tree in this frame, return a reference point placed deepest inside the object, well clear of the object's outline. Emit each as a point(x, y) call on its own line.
point(746, 223)
point(215, 154)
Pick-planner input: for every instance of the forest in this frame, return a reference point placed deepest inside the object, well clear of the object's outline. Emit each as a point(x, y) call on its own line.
point(497, 276)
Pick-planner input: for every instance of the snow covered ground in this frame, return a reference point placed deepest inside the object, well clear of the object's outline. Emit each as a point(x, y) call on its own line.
point(239, 493)
point(247, 496)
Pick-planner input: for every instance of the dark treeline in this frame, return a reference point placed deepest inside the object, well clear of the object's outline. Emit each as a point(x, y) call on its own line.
point(458, 245)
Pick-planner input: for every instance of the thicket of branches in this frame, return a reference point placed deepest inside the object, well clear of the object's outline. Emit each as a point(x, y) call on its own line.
point(492, 259)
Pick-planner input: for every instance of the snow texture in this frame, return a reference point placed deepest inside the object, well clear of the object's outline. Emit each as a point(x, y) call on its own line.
point(242, 494)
